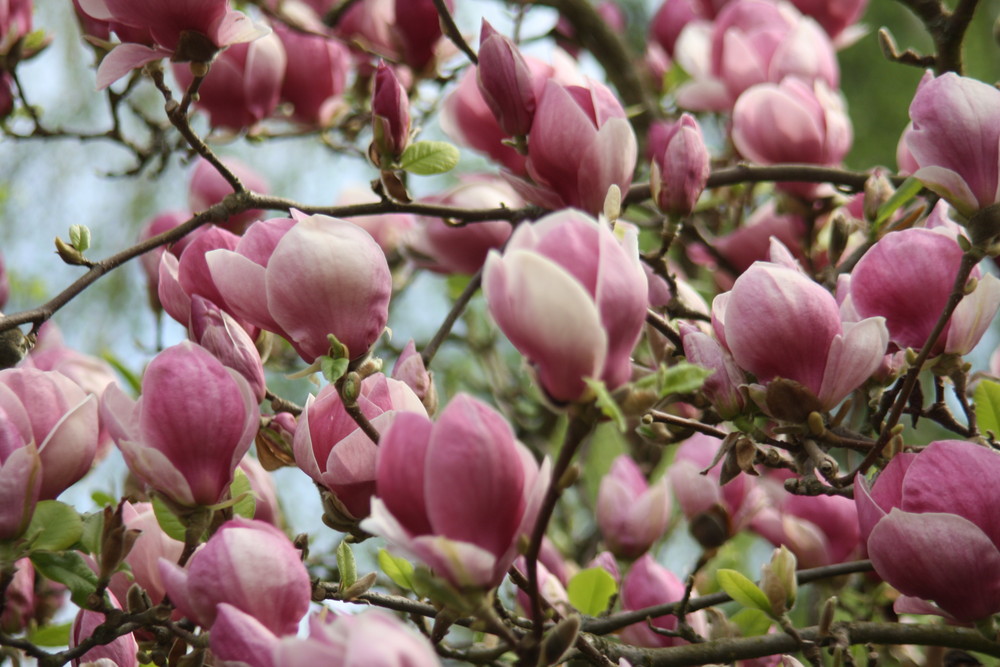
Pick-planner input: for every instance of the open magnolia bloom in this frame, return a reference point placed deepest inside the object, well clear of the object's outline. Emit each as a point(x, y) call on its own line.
point(590, 314)
point(779, 324)
point(456, 494)
point(932, 530)
point(183, 30)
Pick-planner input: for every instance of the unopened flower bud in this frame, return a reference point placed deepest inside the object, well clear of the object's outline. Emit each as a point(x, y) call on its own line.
point(560, 639)
point(778, 581)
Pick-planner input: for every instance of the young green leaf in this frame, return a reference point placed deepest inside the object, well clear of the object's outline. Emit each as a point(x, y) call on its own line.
point(987, 401)
point(67, 568)
point(429, 157)
point(740, 588)
point(51, 636)
point(682, 378)
point(910, 188)
point(54, 526)
point(240, 490)
point(398, 569)
point(590, 590)
point(346, 566)
point(168, 521)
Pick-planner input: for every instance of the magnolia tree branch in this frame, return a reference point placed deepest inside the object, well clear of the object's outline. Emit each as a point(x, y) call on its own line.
point(452, 31)
point(603, 626)
point(947, 29)
point(745, 648)
point(427, 355)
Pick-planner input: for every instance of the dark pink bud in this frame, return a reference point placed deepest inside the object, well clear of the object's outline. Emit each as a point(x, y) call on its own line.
point(505, 82)
point(390, 114)
point(680, 166)
point(418, 29)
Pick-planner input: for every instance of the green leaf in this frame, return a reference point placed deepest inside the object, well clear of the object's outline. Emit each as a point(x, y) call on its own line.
point(240, 490)
point(682, 378)
point(168, 521)
point(429, 157)
point(51, 635)
point(79, 236)
point(740, 588)
point(93, 528)
point(67, 568)
point(54, 526)
point(751, 622)
point(590, 590)
point(333, 369)
point(346, 566)
point(398, 569)
point(987, 400)
point(910, 188)
point(103, 498)
point(607, 404)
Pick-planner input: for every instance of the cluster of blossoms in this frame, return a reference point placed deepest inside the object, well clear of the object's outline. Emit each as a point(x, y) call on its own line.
point(733, 417)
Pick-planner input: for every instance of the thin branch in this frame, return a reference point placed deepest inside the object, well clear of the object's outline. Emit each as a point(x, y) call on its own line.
point(453, 33)
point(603, 626)
point(674, 420)
point(427, 355)
point(744, 648)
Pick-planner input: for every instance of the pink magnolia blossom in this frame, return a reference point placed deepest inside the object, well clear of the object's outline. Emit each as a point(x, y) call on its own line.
point(248, 564)
point(50, 412)
point(237, 638)
point(505, 82)
point(815, 128)
point(590, 315)
point(331, 448)
point(680, 165)
point(369, 24)
point(121, 652)
point(631, 513)
point(208, 187)
point(182, 30)
point(777, 323)
point(91, 373)
point(243, 86)
point(646, 584)
point(374, 638)
point(315, 76)
point(390, 114)
point(955, 140)
point(305, 278)
point(819, 530)
point(752, 42)
point(931, 531)
point(552, 590)
point(20, 467)
point(907, 277)
point(388, 229)
point(580, 145)
point(449, 249)
point(465, 530)
point(190, 428)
